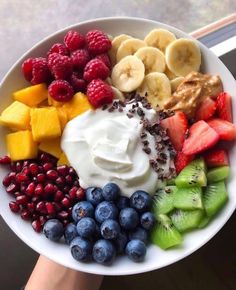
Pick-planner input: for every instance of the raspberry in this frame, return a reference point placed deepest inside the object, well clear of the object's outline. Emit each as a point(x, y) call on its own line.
point(78, 83)
point(80, 58)
point(98, 42)
point(95, 69)
point(105, 58)
point(61, 91)
point(36, 70)
point(99, 93)
point(58, 48)
point(74, 40)
point(60, 66)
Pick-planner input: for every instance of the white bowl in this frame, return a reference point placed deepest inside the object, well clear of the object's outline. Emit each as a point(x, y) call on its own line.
point(156, 258)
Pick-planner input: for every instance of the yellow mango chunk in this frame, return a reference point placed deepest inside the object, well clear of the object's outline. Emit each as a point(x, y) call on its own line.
point(32, 95)
point(54, 103)
point(62, 117)
point(20, 145)
point(52, 146)
point(45, 123)
point(63, 160)
point(78, 105)
point(16, 116)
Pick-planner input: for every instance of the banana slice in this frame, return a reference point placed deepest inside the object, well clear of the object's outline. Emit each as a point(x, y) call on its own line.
point(159, 38)
point(152, 58)
point(118, 94)
point(116, 42)
point(183, 56)
point(175, 83)
point(128, 74)
point(129, 47)
point(156, 87)
point(169, 74)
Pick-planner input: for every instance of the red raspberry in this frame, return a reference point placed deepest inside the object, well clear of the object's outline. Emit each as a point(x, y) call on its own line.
point(60, 65)
point(95, 69)
point(74, 40)
point(36, 70)
point(99, 93)
point(61, 91)
point(78, 83)
point(98, 42)
point(80, 58)
point(105, 58)
point(58, 48)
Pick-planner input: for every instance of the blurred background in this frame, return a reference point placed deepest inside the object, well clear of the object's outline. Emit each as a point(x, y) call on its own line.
point(23, 23)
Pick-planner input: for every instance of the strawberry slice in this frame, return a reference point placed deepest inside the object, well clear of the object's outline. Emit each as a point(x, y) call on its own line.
point(225, 129)
point(224, 107)
point(206, 109)
point(176, 126)
point(201, 137)
point(216, 157)
point(182, 160)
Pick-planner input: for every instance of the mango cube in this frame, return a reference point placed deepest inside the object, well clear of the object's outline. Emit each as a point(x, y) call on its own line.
point(63, 160)
point(45, 123)
point(16, 116)
point(52, 146)
point(33, 95)
point(20, 145)
point(78, 105)
point(62, 117)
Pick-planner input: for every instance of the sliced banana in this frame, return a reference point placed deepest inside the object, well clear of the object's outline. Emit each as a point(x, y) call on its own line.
point(183, 56)
point(118, 94)
point(159, 38)
point(169, 74)
point(175, 83)
point(129, 47)
point(128, 74)
point(152, 58)
point(156, 87)
point(116, 42)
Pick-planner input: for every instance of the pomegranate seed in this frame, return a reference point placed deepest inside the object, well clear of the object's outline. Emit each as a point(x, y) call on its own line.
point(6, 180)
point(76, 183)
point(57, 206)
point(23, 188)
point(66, 202)
point(14, 207)
point(44, 157)
point(25, 215)
point(35, 216)
point(72, 172)
point(50, 208)
point(22, 199)
point(59, 195)
point(30, 189)
point(26, 163)
point(47, 166)
point(13, 167)
point(63, 170)
point(41, 207)
point(72, 192)
point(65, 223)
point(17, 193)
point(66, 189)
point(34, 169)
point(60, 181)
point(52, 174)
point(35, 199)
point(26, 171)
point(18, 166)
point(31, 207)
point(69, 179)
point(41, 177)
point(12, 188)
point(5, 160)
point(36, 225)
point(80, 193)
point(49, 189)
point(38, 189)
point(21, 177)
point(42, 220)
point(63, 214)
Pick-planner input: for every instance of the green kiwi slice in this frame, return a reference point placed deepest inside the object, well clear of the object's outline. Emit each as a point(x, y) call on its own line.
point(218, 174)
point(204, 222)
point(163, 200)
point(188, 198)
point(185, 220)
point(194, 174)
point(214, 198)
point(164, 234)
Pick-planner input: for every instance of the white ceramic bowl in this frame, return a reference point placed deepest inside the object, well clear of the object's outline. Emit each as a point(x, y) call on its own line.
point(156, 258)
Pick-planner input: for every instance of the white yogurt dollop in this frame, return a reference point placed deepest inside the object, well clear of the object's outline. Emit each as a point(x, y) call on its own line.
point(106, 147)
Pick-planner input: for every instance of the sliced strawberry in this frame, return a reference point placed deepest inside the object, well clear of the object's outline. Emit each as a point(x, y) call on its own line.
point(206, 109)
point(176, 126)
point(182, 160)
point(225, 129)
point(216, 157)
point(201, 137)
point(224, 107)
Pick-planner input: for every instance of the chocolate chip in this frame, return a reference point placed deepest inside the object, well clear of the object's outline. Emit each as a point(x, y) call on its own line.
point(143, 135)
point(145, 142)
point(147, 150)
point(129, 115)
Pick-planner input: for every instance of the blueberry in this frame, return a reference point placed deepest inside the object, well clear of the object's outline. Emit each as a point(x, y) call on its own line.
point(122, 202)
point(53, 230)
point(103, 252)
point(139, 234)
point(110, 229)
point(147, 220)
point(81, 249)
point(70, 233)
point(120, 242)
point(136, 250)
point(128, 218)
point(82, 209)
point(140, 200)
point(111, 191)
point(106, 210)
point(94, 195)
point(86, 227)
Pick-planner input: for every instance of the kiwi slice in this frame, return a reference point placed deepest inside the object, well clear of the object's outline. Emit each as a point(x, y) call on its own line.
point(204, 222)
point(218, 174)
point(188, 198)
point(194, 174)
point(185, 220)
point(214, 197)
point(163, 200)
point(170, 181)
point(164, 234)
